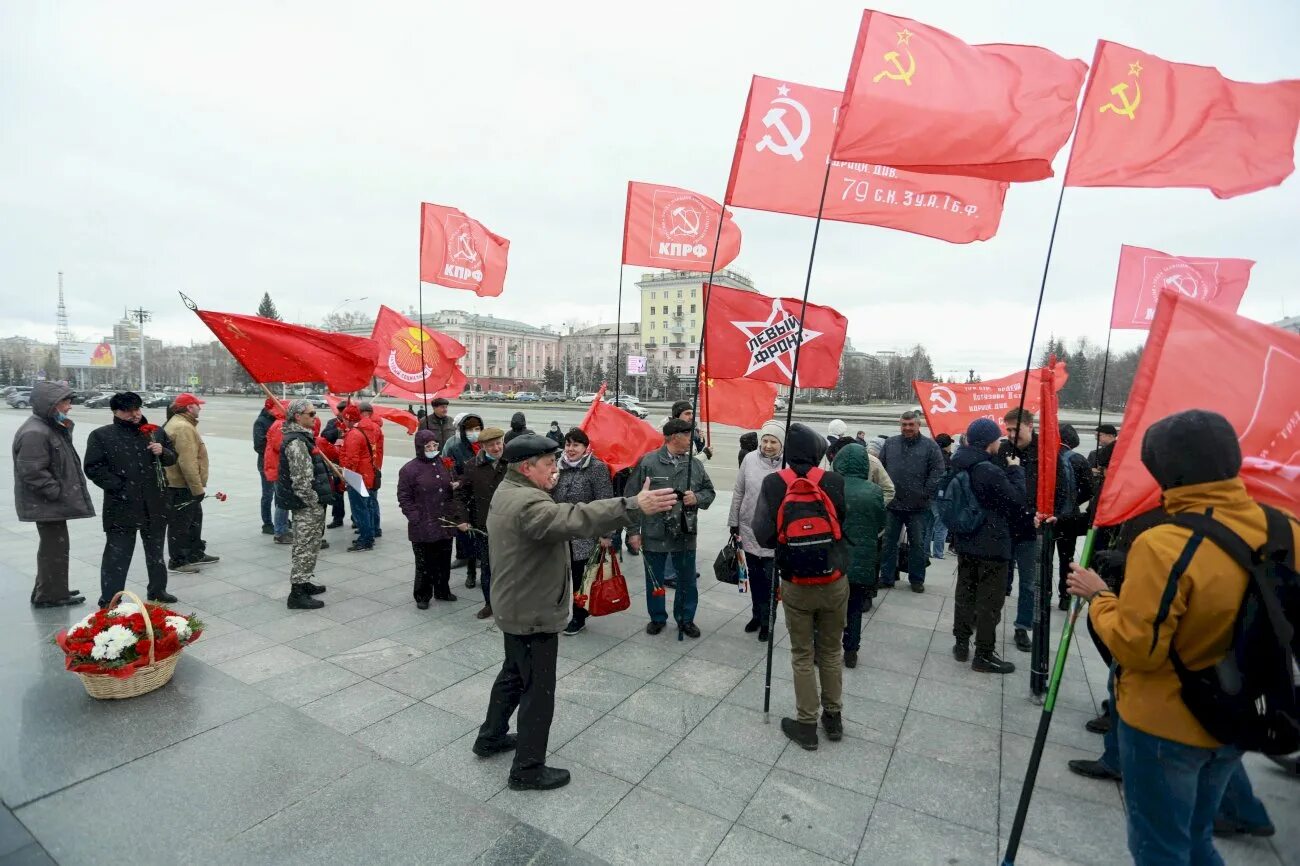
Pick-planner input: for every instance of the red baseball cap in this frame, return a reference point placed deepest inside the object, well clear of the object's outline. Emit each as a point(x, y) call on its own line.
point(186, 399)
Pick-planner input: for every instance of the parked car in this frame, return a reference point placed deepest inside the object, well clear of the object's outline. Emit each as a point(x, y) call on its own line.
point(781, 404)
point(629, 404)
point(526, 397)
point(494, 396)
point(472, 395)
point(317, 400)
point(99, 401)
point(158, 400)
point(20, 398)
point(586, 398)
point(553, 397)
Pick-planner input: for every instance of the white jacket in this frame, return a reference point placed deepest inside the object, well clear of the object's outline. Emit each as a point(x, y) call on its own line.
point(744, 498)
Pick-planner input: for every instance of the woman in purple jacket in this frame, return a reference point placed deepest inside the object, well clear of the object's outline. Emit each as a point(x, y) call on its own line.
point(433, 514)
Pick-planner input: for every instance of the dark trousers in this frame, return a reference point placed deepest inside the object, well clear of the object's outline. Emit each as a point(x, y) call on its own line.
point(918, 544)
point(526, 681)
point(465, 547)
point(119, 548)
point(1065, 546)
point(979, 598)
point(268, 495)
point(336, 513)
point(578, 568)
point(51, 561)
point(432, 569)
point(760, 586)
point(485, 567)
point(859, 595)
point(184, 526)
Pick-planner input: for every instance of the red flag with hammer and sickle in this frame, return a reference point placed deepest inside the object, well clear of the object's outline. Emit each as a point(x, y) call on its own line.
point(274, 351)
point(1144, 274)
point(668, 227)
point(1201, 357)
point(950, 407)
point(460, 253)
point(920, 99)
point(780, 165)
point(1147, 122)
point(416, 360)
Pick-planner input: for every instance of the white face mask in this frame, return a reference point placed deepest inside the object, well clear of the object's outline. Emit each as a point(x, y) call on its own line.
point(430, 453)
point(472, 435)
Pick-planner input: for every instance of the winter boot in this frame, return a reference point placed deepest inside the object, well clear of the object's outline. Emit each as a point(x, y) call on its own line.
point(961, 650)
point(850, 658)
point(300, 598)
point(752, 625)
point(989, 663)
point(313, 588)
point(803, 734)
point(834, 726)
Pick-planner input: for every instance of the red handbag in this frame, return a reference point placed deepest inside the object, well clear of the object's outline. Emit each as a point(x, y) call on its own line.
point(609, 592)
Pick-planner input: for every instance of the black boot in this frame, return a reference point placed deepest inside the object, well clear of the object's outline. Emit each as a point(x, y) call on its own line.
point(313, 588)
point(1023, 643)
point(961, 650)
point(752, 625)
point(850, 658)
point(541, 779)
point(487, 748)
point(471, 574)
point(989, 663)
point(300, 598)
point(803, 734)
point(834, 726)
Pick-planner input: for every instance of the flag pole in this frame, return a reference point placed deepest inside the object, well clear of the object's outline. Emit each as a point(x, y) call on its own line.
point(774, 594)
point(424, 380)
point(1101, 398)
point(618, 336)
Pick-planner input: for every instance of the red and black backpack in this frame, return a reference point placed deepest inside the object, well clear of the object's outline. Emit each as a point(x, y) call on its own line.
point(807, 529)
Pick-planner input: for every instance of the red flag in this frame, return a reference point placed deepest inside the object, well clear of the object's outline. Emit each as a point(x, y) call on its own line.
point(1201, 357)
point(667, 227)
point(949, 408)
point(273, 351)
point(1147, 122)
point(415, 359)
point(753, 336)
point(743, 403)
point(1049, 437)
point(400, 417)
point(459, 253)
point(454, 388)
point(780, 164)
point(618, 437)
point(1144, 273)
point(921, 99)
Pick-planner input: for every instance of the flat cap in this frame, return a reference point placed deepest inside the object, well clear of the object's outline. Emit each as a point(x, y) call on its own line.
point(528, 445)
point(1108, 429)
point(490, 434)
point(677, 425)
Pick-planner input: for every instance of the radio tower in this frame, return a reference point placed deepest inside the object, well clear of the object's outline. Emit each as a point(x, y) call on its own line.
point(63, 332)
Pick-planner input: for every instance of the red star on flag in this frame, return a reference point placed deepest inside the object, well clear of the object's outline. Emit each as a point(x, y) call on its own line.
point(773, 341)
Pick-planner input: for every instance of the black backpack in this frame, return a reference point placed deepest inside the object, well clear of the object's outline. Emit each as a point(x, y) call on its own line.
point(955, 499)
point(1249, 698)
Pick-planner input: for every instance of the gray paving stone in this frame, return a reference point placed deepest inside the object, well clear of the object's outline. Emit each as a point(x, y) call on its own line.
point(526, 844)
point(225, 603)
point(888, 686)
point(293, 626)
point(481, 651)
point(666, 709)
point(897, 635)
point(467, 698)
point(413, 734)
point(308, 683)
point(1020, 715)
point(220, 649)
point(424, 676)
point(372, 659)
point(372, 582)
point(734, 650)
point(441, 632)
point(585, 646)
point(334, 639)
point(944, 668)
point(456, 765)
point(1053, 772)
point(620, 748)
point(351, 609)
point(740, 731)
point(745, 847)
point(264, 611)
point(1066, 827)
point(890, 657)
point(951, 741)
point(635, 660)
point(596, 687)
point(700, 676)
point(898, 835)
point(850, 763)
point(386, 623)
point(865, 719)
point(13, 835)
point(810, 814)
point(264, 664)
point(358, 706)
point(749, 693)
point(29, 855)
point(717, 782)
point(962, 703)
point(567, 813)
point(948, 791)
point(632, 831)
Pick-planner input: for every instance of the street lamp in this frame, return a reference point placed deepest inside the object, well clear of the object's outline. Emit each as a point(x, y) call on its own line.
point(347, 301)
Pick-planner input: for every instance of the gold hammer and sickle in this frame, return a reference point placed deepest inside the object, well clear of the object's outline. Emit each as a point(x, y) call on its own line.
point(234, 329)
point(1128, 109)
point(903, 75)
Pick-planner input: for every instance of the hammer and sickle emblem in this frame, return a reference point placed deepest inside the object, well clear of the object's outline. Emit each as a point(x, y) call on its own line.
point(791, 144)
point(234, 329)
point(943, 400)
point(900, 74)
point(1128, 108)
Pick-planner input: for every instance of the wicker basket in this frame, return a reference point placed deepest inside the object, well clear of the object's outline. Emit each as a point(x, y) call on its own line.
point(155, 675)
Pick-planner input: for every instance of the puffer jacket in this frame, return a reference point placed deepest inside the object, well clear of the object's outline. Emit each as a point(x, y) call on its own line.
point(360, 451)
point(915, 467)
point(1001, 493)
point(662, 533)
point(119, 463)
point(426, 497)
point(48, 479)
point(586, 482)
point(478, 483)
point(191, 466)
point(271, 453)
point(460, 449)
point(744, 497)
point(441, 427)
point(864, 504)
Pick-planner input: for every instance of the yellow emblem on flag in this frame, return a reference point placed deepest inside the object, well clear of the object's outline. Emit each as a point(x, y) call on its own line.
point(233, 328)
point(1126, 108)
point(899, 73)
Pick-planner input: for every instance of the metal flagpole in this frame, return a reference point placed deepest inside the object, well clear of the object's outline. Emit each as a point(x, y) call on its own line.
point(1101, 398)
point(424, 380)
point(774, 594)
point(618, 337)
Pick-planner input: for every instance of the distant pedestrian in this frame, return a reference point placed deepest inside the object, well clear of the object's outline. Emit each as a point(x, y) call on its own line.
point(270, 412)
point(280, 524)
point(518, 426)
point(915, 465)
point(374, 426)
point(433, 514)
point(303, 487)
point(555, 434)
point(358, 455)
point(748, 443)
point(939, 532)
point(50, 489)
point(187, 481)
point(438, 423)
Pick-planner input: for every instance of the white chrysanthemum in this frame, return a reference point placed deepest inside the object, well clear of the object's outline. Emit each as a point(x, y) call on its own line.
point(110, 643)
point(85, 623)
point(126, 608)
point(182, 626)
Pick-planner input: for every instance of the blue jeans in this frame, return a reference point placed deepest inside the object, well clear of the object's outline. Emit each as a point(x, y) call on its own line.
point(1024, 558)
point(1173, 792)
point(362, 515)
point(938, 533)
point(1240, 804)
point(1110, 739)
point(685, 597)
point(918, 535)
point(268, 494)
point(374, 514)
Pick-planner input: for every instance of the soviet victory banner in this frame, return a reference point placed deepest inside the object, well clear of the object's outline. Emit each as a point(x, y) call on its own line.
point(950, 407)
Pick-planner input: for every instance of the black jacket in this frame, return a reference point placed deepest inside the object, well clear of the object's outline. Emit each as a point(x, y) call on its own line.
point(477, 484)
point(804, 449)
point(331, 432)
point(1022, 527)
point(518, 427)
point(261, 424)
point(443, 428)
point(118, 462)
point(1001, 493)
point(915, 466)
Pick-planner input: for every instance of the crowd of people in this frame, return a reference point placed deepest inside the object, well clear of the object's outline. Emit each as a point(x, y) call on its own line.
point(823, 523)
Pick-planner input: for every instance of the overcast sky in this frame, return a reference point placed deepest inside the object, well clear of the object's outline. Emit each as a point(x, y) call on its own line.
point(234, 148)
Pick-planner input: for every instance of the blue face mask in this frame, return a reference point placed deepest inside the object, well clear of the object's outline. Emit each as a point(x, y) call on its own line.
point(430, 453)
point(489, 456)
point(60, 417)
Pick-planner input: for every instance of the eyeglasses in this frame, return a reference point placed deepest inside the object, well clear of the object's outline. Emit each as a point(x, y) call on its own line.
point(308, 414)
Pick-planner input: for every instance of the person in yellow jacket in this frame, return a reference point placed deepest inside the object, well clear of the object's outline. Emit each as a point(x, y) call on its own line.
point(187, 481)
point(1183, 592)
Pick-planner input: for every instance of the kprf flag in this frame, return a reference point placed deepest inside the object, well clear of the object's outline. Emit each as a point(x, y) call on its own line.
point(780, 165)
point(668, 227)
point(745, 403)
point(617, 437)
point(1201, 357)
point(753, 336)
point(454, 387)
point(400, 417)
point(950, 407)
point(459, 253)
point(920, 99)
point(1049, 434)
point(274, 351)
point(1150, 123)
point(415, 359)
point(1144, 274)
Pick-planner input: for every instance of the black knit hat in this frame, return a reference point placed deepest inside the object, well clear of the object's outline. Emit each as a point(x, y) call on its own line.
point(1192, 447)
point(125, 401)
point(679, 407)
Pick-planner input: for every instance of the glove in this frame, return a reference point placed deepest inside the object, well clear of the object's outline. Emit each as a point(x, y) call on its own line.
point(708, 453)
point(735, 532)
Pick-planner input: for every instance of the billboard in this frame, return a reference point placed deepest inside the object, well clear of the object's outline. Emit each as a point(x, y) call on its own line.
point(96, 355)
point(636, 365)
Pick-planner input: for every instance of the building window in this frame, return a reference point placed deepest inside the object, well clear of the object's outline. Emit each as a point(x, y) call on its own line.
point(679, 309)
point(679, 294)
point(692, 306)
point(692, 293)
point(654, 295)
point(692, 323)
point(692, 354)
point(665, 324)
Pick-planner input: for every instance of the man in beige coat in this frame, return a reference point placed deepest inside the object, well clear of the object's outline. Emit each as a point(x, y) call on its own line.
point(187, 481)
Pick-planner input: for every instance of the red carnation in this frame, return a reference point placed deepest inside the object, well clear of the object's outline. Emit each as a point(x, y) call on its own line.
point(448, 463)
point(147, 430)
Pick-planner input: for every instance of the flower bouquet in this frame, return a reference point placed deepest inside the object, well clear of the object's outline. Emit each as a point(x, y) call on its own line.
point(127, 649)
